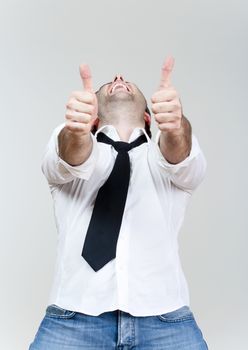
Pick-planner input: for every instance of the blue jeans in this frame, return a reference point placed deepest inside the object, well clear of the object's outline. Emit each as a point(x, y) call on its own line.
point(63, 329)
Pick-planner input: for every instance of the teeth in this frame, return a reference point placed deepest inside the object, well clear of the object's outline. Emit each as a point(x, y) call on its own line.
point(120, 85)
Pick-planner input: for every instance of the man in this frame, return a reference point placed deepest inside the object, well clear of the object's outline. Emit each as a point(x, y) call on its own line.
point(119, 202)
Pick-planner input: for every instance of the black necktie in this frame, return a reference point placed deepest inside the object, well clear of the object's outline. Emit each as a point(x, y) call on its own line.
point(105, 223)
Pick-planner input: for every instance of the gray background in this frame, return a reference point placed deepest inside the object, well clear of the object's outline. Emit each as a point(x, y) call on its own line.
point(42, 45)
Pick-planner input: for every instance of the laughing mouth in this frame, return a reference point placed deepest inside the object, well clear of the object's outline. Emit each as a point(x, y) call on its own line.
point(119, 86)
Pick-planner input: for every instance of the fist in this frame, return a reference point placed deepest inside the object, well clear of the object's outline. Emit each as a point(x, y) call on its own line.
point(166, 104)
point(81, 108)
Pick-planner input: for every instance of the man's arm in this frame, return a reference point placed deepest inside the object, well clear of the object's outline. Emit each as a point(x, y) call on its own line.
point(74, 149)
point(57, 170)
point(176, 146)
point(181, 156)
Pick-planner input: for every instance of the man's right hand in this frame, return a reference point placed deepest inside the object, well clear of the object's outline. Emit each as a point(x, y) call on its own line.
point(82, 108)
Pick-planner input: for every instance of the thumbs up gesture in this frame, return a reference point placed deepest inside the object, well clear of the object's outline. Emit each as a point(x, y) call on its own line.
point(166, 105)
point(81, 108)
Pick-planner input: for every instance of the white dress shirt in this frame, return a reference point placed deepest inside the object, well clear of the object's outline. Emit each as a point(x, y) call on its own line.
point(146, 277)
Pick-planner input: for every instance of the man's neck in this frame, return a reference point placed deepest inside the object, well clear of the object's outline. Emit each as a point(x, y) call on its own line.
point(123, 129)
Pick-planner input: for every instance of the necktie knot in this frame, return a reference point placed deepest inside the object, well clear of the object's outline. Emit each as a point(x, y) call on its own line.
point(121, 146)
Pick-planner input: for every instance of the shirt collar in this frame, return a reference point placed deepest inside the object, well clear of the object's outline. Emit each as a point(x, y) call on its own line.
point(111, 132)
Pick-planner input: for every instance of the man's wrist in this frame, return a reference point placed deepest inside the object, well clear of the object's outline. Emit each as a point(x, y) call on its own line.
point(76, 138)
point(176, 145)
point(185, 128)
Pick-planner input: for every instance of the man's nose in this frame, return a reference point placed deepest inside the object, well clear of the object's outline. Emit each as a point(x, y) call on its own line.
point(118, 77)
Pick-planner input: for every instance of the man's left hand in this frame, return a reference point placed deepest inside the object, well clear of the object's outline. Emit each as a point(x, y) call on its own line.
point(166, 104)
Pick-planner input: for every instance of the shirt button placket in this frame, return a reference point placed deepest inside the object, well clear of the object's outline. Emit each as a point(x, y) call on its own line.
point(121, 269)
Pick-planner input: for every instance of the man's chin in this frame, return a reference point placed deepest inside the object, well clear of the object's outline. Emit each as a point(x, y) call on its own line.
point(121, 95)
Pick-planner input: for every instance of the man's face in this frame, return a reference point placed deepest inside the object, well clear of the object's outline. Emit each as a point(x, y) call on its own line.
point(120, 94)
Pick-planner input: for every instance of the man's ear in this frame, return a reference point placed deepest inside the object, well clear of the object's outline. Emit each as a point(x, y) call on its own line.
point(94, 126)
point(147, 118)
point(96, 122)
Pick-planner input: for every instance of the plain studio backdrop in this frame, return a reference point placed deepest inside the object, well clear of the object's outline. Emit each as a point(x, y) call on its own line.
point(42, 44)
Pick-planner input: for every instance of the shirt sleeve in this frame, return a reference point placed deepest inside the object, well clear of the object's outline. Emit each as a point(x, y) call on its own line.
point(190, 172)
point(57, 171)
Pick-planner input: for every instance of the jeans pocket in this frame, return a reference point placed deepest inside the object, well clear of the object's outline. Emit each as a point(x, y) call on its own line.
point(56, 311)
point(182, 314)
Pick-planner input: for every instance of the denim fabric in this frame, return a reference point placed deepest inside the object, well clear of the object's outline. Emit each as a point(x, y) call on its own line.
point(62, 329)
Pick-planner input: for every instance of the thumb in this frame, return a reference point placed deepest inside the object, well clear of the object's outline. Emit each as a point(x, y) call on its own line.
point(166, 72)
point(86, 77)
